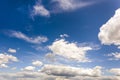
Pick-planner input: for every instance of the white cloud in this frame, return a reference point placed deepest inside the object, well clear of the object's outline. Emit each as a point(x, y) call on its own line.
point(37, 63)
point(68, 5)
point(3, 66)
point(12, 50)
point(60, 70)
point(115, 56)
point(70, 50)
point(110, 31)
point(35, 40)
point(115, 71)
point(5, 58)
point(28, 68)
point(39, 9)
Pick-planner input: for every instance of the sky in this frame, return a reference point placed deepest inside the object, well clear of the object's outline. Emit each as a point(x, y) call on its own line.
point(60, 40)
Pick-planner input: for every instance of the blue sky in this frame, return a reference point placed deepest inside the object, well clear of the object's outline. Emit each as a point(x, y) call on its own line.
point(43, 37)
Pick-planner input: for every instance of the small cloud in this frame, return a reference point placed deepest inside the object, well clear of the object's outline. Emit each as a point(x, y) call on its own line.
point(3, 66)
point(10, 50)
point(37, 63)
point(28, 68)
point(64, 35)
point(34, 40)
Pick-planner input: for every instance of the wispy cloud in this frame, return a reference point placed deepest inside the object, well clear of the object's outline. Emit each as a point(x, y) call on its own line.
point(70, 5)
point(40, 10)
point(58, 6)
point(34, 40)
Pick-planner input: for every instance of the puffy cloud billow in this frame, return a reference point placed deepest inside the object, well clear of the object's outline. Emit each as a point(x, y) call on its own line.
point(110, 31)
point(69, 50)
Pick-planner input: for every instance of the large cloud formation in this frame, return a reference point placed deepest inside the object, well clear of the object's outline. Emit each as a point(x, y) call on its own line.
point(110, 32)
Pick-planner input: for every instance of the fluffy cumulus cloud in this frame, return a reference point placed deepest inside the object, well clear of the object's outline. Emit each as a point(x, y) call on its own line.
point(5, 58)
point(69, 50)
point(69, 5)
point(10, 50)
point(37, 63)
point(34, 40)
point(110, 31)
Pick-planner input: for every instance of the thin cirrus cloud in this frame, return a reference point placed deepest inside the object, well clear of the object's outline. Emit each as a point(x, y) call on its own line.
point(58, 6)
point(22, 36)
point(110, 31)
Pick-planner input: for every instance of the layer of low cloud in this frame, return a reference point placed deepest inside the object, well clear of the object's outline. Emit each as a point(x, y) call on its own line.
point(70, 50)
point(60, 72)
point(22, 36)
point(110, 31)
